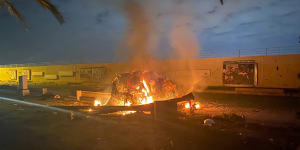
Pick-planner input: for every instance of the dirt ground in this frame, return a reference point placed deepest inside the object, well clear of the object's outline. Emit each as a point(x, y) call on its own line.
point(241, 122)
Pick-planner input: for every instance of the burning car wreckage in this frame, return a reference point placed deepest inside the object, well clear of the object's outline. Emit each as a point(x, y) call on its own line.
point(150, 91)
point(139, 88)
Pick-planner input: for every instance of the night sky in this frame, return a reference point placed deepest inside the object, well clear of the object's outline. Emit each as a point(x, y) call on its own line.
point(96, 30)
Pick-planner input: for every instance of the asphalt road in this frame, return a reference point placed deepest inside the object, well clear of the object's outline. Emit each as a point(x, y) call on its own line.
point(24, 126)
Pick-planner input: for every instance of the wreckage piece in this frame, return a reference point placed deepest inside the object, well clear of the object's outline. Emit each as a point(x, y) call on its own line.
point(161, 110)
point(140, 87)
point(109, 109)
point(167, 110)
point(189, 96)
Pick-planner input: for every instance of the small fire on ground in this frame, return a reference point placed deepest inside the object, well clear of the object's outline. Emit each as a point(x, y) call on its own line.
point(188, 107)
point(97, 103)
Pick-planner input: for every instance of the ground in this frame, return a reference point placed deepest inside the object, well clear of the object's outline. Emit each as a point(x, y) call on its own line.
point(242, 122)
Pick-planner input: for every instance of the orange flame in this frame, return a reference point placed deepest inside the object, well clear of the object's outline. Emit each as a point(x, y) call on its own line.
point(187, 105)
point(124, 113)
point(197, 106)
point(148, 99)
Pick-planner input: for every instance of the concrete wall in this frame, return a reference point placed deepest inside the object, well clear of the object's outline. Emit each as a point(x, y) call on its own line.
point(275, 71)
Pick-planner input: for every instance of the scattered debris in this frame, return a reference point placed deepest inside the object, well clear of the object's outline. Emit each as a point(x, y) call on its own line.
point(44, 91)
point(171, 143)
point(209, 122)
point(57, 96)
point(47, 96)
point(55, 113)
point(72, 116)
point(233, 118)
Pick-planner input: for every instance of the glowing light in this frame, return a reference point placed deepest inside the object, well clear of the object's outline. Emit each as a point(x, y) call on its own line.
point(148, 99)
point(128, 103)
point(146, 86)
point(90, 109)
point(143, 93)
point(124, 113)
point(187, 105)
point(147, 112)
point(197, 106)
point(97, 103)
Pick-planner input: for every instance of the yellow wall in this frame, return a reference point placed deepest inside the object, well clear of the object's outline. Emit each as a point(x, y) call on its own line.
point(208, 71)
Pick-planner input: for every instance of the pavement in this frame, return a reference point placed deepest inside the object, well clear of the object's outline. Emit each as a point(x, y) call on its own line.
point(31, 123)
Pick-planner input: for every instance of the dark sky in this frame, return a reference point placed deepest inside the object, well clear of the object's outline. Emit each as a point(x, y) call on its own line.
point(95, 30)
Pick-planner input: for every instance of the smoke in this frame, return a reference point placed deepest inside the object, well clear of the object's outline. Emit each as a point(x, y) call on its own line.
point(183, 39)
point(139, 39)
point(134, 48)
point(185, 47)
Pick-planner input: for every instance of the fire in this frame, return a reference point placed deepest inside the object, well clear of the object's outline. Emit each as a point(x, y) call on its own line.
point(140, 87)
point(197, 106)
point(147, 99)
point(124, 113)
point(97, 103)
point(128, 103)
point(146, 86)
point(187, 105)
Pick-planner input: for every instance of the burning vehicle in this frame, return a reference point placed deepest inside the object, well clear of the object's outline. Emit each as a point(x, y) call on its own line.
point(140, 87)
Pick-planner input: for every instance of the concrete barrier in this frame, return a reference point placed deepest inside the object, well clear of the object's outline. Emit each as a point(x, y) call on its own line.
point(80, 93)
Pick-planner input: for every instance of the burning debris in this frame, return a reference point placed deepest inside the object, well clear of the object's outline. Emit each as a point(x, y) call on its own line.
point(188, 107)
point(97, 103)
point(140, 87)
